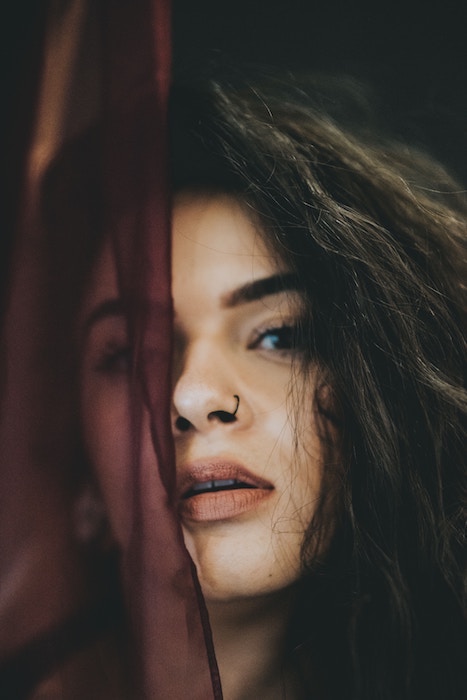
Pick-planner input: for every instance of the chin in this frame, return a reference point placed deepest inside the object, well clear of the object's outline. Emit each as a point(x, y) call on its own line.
point(231, 572)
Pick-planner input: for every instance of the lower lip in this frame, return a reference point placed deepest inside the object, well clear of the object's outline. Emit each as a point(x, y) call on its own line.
point(222, 505)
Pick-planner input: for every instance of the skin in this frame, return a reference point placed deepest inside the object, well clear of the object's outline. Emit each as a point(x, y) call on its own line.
point(226, 345)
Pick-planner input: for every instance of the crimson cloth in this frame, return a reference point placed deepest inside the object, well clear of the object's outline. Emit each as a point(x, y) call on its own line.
point(51, 624)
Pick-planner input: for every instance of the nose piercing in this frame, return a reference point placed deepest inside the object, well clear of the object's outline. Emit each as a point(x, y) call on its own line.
point(225, 416)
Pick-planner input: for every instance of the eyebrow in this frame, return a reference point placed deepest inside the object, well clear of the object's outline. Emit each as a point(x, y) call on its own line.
point(253, 291)
point(108, 308)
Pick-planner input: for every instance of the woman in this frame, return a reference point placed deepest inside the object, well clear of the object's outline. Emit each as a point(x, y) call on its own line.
point(317, 395)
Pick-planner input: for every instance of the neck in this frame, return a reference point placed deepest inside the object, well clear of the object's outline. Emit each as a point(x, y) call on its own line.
point(249, 639)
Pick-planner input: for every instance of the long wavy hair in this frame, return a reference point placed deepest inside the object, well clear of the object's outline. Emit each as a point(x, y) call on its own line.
point(375, 231)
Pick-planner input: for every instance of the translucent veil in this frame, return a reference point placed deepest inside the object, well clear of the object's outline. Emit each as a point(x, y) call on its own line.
point(68, 626)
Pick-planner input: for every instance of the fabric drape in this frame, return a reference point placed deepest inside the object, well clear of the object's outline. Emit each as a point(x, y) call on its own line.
point(107, 62)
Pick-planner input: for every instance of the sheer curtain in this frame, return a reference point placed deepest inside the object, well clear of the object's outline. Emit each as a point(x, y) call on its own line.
point(105, 62)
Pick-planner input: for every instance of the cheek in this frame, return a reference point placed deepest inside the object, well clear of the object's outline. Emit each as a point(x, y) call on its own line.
point(304, 456)
point(107, 440)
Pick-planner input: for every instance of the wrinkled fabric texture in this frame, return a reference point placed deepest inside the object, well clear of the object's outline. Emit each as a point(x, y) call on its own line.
point(78, 623)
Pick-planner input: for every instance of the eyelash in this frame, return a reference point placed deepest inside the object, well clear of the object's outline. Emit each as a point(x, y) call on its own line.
point(287, 334)
point(115, 359)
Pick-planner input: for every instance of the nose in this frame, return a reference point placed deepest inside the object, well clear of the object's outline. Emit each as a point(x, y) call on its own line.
point(206, 392)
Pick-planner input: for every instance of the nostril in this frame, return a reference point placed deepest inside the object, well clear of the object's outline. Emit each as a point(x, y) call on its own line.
point(182, 424)
point(222, 416)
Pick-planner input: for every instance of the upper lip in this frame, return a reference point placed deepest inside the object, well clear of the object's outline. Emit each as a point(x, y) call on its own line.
point(217, 469)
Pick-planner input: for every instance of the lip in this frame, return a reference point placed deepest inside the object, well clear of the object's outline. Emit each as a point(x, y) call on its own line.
point(222, 504)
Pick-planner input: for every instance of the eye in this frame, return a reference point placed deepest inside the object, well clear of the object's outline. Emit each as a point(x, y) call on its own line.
point(114, 359)
point(281, 339)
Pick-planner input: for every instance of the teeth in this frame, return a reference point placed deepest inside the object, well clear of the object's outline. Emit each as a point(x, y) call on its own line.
point(202, 486)
point(224, 483)
point(216, 485)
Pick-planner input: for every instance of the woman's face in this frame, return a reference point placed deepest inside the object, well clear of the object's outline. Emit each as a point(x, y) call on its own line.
point(248, 470)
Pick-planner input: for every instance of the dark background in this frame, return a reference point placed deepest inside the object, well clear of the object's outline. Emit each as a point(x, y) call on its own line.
point(413, 52)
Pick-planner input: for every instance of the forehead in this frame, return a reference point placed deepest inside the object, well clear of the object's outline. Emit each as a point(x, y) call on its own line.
point(215, 232)
point(215, 245)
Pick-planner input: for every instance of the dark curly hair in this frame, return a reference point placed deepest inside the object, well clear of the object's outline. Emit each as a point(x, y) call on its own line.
point(375, 232)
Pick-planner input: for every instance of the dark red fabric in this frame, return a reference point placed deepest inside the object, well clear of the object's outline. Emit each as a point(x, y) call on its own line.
point(175, 648)
point(32, 501)
point(43, 582)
